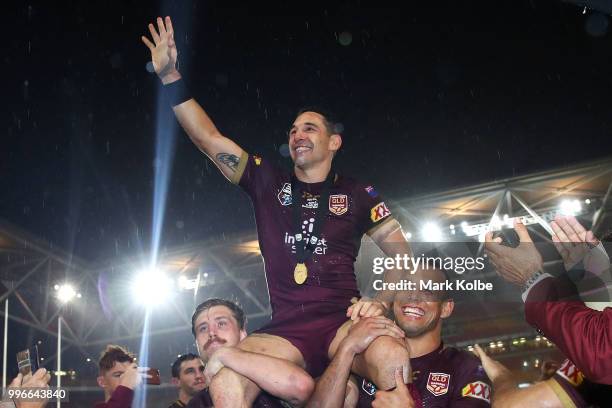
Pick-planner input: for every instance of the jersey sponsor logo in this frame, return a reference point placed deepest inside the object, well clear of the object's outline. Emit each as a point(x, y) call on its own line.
point(571, 373)
point(284, 195)
point(306, 235)
point(368, 387)
point(312, 201)
point(338, 204)
point(371, 192)
point(478, 390)
point(437, 383)
point(379, 212)
point(257, 160)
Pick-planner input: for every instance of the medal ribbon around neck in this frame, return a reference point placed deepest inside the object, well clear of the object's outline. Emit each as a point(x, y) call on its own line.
point(304, 248)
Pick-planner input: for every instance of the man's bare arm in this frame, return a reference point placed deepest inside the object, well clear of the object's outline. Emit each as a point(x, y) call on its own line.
point(224, 152)
point(276, 376)
point(331, 389)
point(391, 240)
point(197, 124)
point(506, 393)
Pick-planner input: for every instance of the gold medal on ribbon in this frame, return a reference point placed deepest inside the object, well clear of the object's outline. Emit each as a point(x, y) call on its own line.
point(300, 273)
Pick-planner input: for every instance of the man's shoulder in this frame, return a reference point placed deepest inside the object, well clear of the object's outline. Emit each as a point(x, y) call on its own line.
point(462, 361)
point(348, 182)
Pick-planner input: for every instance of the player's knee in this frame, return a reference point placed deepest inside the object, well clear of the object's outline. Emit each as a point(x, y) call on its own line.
point(303, 386)
point(384, 355)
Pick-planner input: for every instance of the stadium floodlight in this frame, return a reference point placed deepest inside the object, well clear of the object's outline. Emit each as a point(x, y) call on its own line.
point(187, 284)
point(65, 292)
point(431, 232)
point(151, 287)
point(570, 207)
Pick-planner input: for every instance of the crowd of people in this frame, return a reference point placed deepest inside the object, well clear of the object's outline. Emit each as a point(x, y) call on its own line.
point(326, 346)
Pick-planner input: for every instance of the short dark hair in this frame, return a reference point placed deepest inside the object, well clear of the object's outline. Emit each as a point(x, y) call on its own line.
point(176, 366)
point(207, 304)
point(114, 354)
point(330, 120)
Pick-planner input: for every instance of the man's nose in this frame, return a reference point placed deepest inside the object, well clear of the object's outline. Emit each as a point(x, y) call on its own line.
point(299, 135)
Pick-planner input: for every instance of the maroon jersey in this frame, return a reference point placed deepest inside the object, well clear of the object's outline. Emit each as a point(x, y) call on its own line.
point(574, 390)
point(446, 377)
point(203, 400)
point(352, 210)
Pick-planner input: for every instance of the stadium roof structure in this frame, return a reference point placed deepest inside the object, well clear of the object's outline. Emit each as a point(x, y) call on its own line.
point(233, 268)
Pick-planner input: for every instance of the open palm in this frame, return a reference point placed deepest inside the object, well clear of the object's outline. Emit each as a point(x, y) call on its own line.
point(163, 48)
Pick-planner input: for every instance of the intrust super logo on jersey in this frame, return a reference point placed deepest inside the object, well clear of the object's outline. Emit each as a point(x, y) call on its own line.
point(478, 390)
point(379, 212)
point(437, 383)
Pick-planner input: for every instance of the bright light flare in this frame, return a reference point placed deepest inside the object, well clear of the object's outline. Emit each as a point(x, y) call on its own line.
point(570, 207)
point(152, 287)
point(431, 232)
point(65, 293)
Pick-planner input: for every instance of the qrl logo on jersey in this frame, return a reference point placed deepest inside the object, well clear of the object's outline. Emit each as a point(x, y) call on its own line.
point(478, 390)
point(284, 195)
point(338, 204)
point(368, 387)
point(379, 212)
point(437, 383)
point(572, 374)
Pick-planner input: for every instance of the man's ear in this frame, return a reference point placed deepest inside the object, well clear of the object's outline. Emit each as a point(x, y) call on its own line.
point(174, 381)
point(243, 334)
point(101, 381)
point(447, 308)
point(335, 141)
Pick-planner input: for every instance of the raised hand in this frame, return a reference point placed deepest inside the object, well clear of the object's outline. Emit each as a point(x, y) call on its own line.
point(40, 379)
point(493, 368)
point(575, 244)
point(133, 376)
point(163, 50)
point(515, 265)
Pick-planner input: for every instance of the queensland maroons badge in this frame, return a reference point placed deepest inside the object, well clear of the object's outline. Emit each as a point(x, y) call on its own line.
point(437, 383)
point(338, 204)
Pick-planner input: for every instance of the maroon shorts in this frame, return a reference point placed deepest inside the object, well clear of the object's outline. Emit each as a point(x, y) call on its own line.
point(310, 327)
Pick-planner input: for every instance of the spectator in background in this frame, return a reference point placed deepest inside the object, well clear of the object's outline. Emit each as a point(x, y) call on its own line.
point(566, 388)
point(584, 335)
point(119, 376)
point(188, 376)
point(40, 379)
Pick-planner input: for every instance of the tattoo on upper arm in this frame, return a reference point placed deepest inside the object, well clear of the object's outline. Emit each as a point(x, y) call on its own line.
point(230, 160)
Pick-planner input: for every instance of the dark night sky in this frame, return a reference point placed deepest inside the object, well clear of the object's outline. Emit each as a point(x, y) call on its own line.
point(432, 96)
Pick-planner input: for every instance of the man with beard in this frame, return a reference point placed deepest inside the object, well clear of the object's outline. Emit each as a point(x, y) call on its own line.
point(188, 375)
point(310, 223)
point(218, 326)
point(444, 376)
